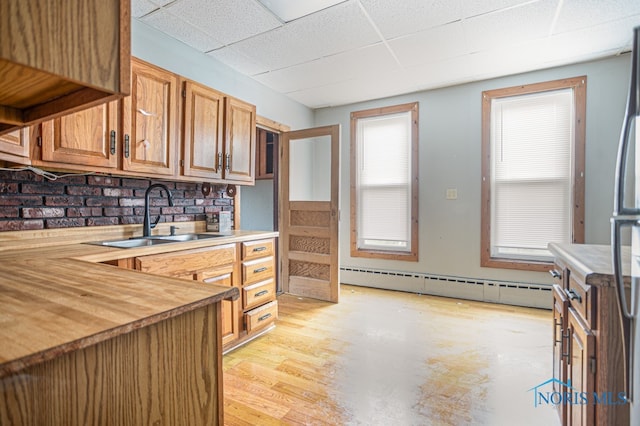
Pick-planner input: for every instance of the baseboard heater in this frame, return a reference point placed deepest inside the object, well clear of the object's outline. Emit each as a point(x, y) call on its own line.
point(495, 291)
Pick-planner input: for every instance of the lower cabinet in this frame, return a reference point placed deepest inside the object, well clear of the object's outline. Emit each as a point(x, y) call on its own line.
point(250, 266)
point(588, 362)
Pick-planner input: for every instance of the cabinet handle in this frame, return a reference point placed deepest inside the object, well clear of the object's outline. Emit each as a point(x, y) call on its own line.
point(264, 268)
point(555, 274)
point(556, 324)
point(126, 146)
point(228, 165)
point(574, 296)
point(264, 317)
point(566, 354)
point(112, 142)
point(263, 248)
point(261, 293)
point(219, 165)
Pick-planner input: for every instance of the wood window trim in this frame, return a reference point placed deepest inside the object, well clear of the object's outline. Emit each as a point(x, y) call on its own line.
point(412, 254)
point(578, 84)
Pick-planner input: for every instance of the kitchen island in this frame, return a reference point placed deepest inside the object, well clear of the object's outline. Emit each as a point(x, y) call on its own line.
point(89, 343)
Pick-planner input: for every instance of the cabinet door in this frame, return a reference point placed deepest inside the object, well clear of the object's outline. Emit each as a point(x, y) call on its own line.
point(230, 308)
point(560, 344)
point(202, 137)
point(16, 146)
point(150, 121)
point(581, 371)
point(240, 141)
point(86, 138)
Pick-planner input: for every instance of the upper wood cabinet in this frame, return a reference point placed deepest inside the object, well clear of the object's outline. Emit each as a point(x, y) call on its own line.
point(240, 141)
point(61, 56)
point(203, 131)
point(150, 121)
point(86, 138)
point(14, 146)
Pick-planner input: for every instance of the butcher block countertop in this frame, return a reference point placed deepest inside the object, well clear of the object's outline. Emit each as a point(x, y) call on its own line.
point(592, 262)
point(57, 298)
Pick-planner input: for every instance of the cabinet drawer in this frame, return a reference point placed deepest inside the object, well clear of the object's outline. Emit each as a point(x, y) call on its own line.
point(256, 249)
point(258, 293)
point(581, 298)
point(258, 270)
point(259, 318)
point(180, 263)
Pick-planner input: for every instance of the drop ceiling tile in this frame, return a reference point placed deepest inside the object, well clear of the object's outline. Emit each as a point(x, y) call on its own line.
point(509, 27)
point(369, 61)
point(288, 10)
point(476, 8)
point(141, 7)
point(396, 18)
point(237, 60)
point(228, 20)
point(328, 32)
point(163, 2)
point(432, 45)
point(180, 30)
point(576, 14)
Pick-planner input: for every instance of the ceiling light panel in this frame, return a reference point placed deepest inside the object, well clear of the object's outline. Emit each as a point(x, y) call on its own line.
point(228, 20)
point(288, 10)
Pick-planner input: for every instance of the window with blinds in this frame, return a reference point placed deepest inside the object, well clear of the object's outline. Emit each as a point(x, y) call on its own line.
point(535, 152)
point(384, 190)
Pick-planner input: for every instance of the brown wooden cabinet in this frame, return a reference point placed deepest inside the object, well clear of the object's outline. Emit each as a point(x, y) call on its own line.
point(14, 146)
point(85, 138)
point(240, 141)
point(259, 302)
point(587, 337)
point(202, 136)
point(266, 153)
point(210, 265)
point(60, 56)
point(150, 121)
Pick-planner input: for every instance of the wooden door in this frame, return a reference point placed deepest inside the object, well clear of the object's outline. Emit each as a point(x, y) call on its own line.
point(309, 212)
point(581, 371)
point(150, 121)
point(560, 344)
point(86, 138)
point(14, 146)
point(202, 136)
point(240, 141)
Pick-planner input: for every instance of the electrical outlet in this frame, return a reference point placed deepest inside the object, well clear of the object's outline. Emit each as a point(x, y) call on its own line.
point(452, 194)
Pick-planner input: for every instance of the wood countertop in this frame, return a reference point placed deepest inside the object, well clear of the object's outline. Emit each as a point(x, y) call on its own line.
point(57, 298)
point(592, 262)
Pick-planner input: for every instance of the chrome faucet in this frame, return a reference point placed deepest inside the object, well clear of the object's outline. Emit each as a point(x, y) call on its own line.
point(147, 225)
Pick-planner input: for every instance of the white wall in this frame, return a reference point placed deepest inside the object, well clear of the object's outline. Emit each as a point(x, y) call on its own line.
point(158, 48)
point(450, 145)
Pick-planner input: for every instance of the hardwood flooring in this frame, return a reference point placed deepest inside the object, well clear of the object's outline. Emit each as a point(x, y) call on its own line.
point(391, 358)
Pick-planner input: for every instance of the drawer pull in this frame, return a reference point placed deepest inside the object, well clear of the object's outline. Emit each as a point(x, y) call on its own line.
point(256, 271)
point(261, 293)
point(562, 347)
point(555, 274)
point(264, 317)
point(574, 296)
point(263, 248)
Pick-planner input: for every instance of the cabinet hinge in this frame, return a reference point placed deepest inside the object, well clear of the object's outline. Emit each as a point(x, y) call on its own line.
point(592, 365)
point(184, 93)
point(39, 140)
point(181, 163)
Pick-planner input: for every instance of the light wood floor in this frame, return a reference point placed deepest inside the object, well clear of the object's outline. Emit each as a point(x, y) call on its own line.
point(392, 358)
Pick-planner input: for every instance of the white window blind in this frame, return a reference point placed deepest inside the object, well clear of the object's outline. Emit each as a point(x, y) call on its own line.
point(383, 182)
point(532, 139)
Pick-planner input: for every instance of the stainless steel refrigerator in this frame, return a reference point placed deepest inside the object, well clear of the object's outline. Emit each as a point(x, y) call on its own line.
point(625, 229)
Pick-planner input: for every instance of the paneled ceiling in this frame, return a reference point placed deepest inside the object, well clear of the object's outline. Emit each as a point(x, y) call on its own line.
point(355, 50)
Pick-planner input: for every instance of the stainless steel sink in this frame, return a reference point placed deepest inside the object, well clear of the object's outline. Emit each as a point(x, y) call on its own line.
point(186, 237)
point(154, 240)
point(131, 243)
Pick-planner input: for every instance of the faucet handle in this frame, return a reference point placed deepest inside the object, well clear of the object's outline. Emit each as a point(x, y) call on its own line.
point(172, 229)
point(155, 222)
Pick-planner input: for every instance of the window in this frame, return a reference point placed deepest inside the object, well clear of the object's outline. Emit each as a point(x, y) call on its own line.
point(532, 172)
point(384, 182)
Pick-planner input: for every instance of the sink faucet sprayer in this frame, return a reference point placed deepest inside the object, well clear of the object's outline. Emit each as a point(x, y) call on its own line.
point(147, 226)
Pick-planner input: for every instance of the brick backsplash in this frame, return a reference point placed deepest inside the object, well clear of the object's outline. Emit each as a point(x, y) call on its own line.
point(29, 201)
